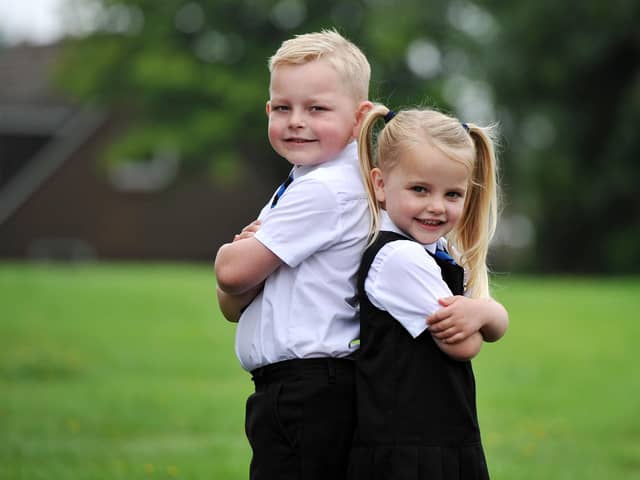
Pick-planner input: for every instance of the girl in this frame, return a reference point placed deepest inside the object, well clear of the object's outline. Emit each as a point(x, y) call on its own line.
point(433, 187)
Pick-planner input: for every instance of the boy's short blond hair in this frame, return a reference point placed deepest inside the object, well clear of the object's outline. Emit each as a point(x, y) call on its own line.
point(343, 55)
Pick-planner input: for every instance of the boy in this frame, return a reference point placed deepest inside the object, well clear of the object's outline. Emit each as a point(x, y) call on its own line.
point(290, 277)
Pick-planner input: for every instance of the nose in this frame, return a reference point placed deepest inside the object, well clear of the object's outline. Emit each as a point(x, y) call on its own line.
point(435, 205)
point(296, 119)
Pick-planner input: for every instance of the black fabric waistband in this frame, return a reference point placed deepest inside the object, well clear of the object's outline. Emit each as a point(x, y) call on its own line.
point(333, 369)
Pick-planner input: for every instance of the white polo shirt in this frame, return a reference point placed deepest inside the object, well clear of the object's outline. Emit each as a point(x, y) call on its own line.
point(405, 280)
point(308, 307)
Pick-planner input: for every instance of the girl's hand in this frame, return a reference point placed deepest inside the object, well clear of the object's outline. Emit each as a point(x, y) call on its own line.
point(457, 320)
point(461, 317)
point(248, 231)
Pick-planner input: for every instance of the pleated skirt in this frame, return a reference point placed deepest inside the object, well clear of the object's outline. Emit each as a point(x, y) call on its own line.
point(417, 462)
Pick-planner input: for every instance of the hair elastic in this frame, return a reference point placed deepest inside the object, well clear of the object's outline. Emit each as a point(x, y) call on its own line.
point(389, 116)
point(465, 126)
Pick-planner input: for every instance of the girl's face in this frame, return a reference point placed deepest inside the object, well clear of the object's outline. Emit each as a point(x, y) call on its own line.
point(423, 193)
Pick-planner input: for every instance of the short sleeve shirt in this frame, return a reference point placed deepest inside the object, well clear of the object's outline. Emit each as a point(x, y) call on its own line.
point(308, 306)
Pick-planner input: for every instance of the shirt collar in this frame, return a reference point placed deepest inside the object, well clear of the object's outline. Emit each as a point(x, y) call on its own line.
point(387, 224)
point(348, 154)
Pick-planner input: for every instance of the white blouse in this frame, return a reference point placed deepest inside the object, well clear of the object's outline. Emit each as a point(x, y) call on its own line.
point(405, 280)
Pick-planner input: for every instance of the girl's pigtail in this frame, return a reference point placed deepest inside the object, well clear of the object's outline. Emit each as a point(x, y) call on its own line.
point(479, 219)
point(366, 156)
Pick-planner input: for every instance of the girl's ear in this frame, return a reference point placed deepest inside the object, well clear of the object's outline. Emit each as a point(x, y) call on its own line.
point(268, 107)
point(361, 112)
point(378, 184)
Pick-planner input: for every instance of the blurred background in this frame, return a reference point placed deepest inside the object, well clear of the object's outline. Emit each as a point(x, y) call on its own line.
point(133, 144)
point(135, 129)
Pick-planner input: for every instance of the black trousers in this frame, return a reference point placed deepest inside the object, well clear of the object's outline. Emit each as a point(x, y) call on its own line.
point(300, 420)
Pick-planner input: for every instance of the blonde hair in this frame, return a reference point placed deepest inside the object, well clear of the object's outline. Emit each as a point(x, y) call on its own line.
point(469, 144)
point(347, 59)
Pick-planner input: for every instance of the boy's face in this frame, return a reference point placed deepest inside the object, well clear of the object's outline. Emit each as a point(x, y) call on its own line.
point(312, 116)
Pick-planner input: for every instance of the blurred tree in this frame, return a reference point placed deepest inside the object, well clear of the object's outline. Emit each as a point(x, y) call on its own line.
point(562, 79)
point(194, 74)
point(177, 69)
point(567, 77)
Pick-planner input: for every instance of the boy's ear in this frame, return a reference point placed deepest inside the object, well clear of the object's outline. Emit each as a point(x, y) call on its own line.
point(361, 112)
point(268, 107)
point(378, 184)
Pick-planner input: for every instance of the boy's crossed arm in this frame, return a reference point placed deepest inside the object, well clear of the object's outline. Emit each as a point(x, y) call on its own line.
point(241, 268)
point(244, 263)
point(232, 306)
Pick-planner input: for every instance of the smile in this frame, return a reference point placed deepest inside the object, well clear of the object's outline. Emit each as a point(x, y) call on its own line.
point(430, 223)
point(298, 140)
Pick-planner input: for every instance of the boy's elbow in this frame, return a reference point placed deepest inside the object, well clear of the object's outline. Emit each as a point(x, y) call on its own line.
point(228, 309)
point(229, 279)
point(225, 283)
point(241, 266)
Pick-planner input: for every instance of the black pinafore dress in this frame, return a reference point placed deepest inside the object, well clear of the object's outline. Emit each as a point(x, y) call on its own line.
point(416, 407)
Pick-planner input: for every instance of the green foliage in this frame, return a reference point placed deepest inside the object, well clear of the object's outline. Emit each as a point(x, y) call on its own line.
point(198, 90)
point(561, 79)
point(567, 74)
point(194, 74)
point(124, 371)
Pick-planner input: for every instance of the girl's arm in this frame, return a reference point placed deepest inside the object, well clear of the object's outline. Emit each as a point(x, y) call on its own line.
point(460, 317)
point(463, 350)
point(405, 281)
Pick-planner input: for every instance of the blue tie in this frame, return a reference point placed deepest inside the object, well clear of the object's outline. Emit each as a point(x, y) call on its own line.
point(442, 255)
point(452, 273)
point(281, 190)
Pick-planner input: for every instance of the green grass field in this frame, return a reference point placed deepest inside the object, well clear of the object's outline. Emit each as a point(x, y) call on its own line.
point(127, 371)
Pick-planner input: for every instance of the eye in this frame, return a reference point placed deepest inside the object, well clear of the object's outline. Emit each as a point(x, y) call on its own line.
point(418, 189)
point(318, 108)
point(280, 108)
point(454, 195)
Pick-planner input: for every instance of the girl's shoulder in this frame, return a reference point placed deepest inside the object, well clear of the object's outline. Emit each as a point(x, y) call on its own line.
point(406, 248)
point(401, 255)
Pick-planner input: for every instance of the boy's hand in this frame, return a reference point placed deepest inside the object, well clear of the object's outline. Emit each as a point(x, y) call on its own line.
point(244, 263)
point(456, 321)
point(248, 231)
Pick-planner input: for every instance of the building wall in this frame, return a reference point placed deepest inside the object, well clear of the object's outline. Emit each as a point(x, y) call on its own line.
point(77, 213)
